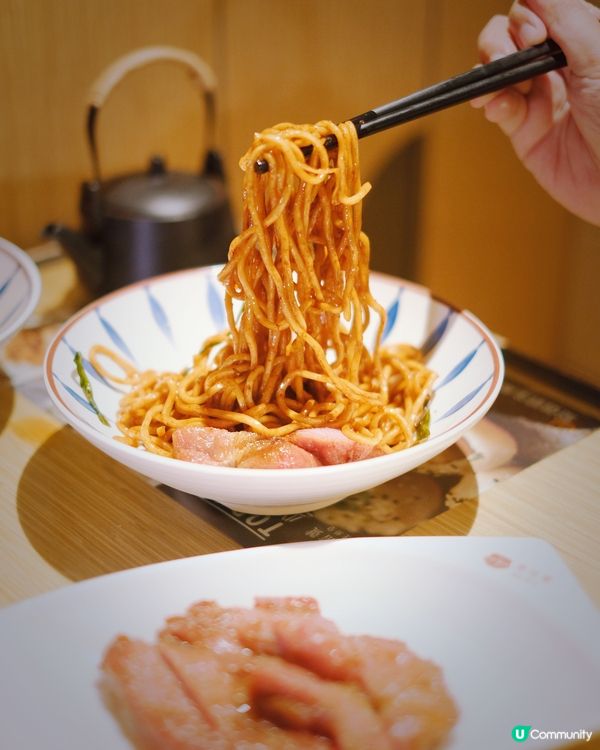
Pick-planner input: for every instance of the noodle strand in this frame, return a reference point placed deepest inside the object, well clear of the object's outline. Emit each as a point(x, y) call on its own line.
point(297, 303)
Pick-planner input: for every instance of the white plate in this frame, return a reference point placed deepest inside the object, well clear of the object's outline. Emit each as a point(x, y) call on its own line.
point(515, 635)
point(19, 288)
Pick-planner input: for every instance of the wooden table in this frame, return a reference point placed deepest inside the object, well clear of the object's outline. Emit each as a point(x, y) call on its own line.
point(68, 512)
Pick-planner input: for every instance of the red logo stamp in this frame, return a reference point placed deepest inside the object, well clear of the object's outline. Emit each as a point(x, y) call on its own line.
point(498, 561)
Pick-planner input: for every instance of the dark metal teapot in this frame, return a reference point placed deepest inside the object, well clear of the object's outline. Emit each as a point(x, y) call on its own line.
point(146, 223)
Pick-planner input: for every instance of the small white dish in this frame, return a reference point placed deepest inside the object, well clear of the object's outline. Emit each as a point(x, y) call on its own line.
point(161, 322)
point(505, 619)
point(20, 288)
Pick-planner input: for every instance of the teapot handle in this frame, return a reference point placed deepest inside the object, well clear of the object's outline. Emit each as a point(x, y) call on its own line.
point(139, 58)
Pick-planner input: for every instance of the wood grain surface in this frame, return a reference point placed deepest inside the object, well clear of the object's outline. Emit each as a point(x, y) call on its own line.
point(68, 512)
point(451, 206)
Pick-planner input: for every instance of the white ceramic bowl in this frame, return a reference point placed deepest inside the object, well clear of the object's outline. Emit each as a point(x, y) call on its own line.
point(161, 322)
point(19, 288)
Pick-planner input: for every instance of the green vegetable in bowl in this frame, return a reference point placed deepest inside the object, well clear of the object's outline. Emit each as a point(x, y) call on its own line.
point(423, 428)
point(87, 388)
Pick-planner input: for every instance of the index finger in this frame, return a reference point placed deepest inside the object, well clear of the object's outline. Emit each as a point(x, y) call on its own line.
point(495, 39)
point(573, 24)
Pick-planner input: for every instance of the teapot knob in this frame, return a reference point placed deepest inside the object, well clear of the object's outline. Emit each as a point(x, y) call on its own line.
point(157, 166)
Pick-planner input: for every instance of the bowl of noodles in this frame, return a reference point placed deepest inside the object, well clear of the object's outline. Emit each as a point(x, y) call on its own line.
point(293, 338)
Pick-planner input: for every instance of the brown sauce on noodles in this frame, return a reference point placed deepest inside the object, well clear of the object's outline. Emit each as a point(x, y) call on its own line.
point(294, 357)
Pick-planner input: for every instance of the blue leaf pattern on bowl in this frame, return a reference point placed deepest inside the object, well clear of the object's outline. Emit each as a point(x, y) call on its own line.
point(216, 305)
point(392, 315)
point(9, 280)
point(457, 369)
point(114, 336)
point(159, 314)
point(437, 333)
point(5, 285)
point(80, 399)
point(465, 400)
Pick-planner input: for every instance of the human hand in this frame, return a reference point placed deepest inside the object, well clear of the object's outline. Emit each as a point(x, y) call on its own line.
point(554, 120)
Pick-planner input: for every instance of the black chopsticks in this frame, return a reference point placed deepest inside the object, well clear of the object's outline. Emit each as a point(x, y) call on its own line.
point(484, 79)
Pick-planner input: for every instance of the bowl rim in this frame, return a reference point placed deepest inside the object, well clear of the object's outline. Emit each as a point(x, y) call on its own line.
point(444, 438)
point(29, 268)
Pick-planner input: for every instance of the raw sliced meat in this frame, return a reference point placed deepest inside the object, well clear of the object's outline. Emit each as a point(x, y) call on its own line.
point(409, 692)
point(153, 706)
point(219, 685)
point(297, 698)
point(278, 676)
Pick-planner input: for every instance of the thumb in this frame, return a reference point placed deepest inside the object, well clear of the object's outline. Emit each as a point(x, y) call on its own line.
point(575, 26)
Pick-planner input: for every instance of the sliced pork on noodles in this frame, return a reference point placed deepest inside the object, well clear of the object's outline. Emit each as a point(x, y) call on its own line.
point(316, 446)
point(211, 445)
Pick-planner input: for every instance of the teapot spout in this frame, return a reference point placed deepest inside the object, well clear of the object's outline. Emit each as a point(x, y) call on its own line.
point(86, 255)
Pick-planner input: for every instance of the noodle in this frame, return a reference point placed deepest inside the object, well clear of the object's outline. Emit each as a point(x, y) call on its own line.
point(298, 302)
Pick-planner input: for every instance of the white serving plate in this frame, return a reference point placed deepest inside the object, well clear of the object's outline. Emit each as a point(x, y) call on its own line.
point(515, 635)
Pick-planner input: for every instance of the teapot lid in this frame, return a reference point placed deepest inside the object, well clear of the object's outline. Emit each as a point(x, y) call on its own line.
point(160, 195)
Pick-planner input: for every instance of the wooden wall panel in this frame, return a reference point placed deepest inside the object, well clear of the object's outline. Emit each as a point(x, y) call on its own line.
point(50, 53)
point(451, 206)
point(312, 60)
point(297, 61)
point(492, 240)
point(579, 331)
